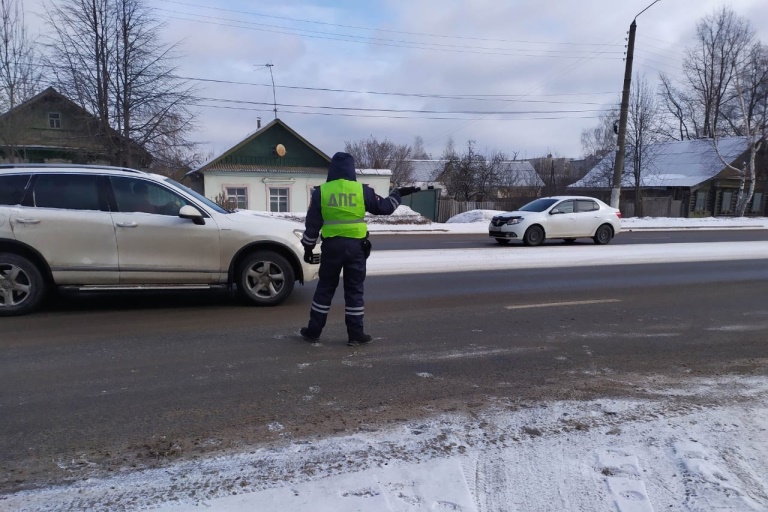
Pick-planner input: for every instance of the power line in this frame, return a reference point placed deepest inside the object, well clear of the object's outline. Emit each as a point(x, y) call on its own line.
point(375, 41)
point(396, 110)
point(343, 114)
point(489, 97)
point(356, 27)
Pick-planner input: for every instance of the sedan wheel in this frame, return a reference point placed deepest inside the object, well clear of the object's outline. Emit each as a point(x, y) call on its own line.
point(533, 236)
point(265, 279)
point(603, 235)
point(22, 287)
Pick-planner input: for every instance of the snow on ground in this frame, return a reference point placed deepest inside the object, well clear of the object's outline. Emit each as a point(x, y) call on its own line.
point(602, 455)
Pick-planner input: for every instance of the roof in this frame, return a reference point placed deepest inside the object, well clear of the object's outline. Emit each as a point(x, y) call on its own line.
point(684, 163)
point(524, 175)
point(425, 171)
point(216, 162)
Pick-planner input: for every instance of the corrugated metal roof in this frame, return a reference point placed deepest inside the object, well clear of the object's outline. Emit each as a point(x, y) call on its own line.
point(684, 163)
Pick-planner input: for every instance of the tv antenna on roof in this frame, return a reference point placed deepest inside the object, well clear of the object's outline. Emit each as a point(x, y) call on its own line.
point(274, 97)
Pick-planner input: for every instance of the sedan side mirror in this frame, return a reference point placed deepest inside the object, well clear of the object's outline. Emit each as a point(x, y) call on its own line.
point(554, 211)
point(191, 213)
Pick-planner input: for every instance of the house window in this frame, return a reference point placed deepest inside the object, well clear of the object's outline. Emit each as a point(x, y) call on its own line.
point(278, 199)
point(701, 201)
point(54, 120)
point(238, 196)
point(757, 202)
point(725, 205)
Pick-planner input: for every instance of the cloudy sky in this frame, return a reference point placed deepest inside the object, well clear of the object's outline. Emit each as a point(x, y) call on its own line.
point(522, 77)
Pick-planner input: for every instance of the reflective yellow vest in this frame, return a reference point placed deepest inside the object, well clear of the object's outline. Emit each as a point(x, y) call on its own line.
point(343, 207)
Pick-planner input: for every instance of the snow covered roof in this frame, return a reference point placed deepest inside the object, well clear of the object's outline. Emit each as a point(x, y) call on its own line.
point(426, 171)
point(684, 163)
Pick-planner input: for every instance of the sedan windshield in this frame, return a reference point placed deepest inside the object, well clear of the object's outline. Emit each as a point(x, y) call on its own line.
point(539, 205)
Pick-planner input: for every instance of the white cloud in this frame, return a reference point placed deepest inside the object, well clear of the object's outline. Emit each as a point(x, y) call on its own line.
point(581, 34)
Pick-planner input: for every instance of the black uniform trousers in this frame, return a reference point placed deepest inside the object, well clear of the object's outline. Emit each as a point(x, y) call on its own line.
point(347, 255)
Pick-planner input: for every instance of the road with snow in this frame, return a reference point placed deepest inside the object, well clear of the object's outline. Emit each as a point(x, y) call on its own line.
point(96, 386)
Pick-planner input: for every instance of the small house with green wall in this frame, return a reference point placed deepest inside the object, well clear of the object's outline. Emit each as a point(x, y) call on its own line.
point(51, 128)
point(274, 170)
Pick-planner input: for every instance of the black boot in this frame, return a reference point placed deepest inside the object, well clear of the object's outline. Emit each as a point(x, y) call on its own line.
point(359, 339)
point(308, 335)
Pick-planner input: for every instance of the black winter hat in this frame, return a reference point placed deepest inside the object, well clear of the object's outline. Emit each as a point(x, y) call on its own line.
point(342, 167)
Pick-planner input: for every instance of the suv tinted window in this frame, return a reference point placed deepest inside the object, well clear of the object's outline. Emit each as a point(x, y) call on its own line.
point(137, 195)
point(67, 191)
point(12, 188)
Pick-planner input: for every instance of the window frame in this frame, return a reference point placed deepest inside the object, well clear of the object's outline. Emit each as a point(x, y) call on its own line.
point(725, 207)
point(287, 199)
point(54, 123)
point(701, 195)
point(237, 197)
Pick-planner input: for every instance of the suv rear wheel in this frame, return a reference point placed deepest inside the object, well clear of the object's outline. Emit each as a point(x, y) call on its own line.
point(265, 278)
point(22, 287)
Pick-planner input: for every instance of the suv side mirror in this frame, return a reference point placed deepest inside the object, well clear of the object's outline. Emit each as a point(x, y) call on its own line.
point(191, 213)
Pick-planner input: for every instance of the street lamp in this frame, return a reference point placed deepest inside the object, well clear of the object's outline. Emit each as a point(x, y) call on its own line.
point(622, 135)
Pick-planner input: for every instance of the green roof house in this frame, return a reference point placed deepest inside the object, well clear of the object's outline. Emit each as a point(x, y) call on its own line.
point(274, 169)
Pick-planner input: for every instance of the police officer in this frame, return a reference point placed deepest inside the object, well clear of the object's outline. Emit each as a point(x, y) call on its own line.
point(337, 213)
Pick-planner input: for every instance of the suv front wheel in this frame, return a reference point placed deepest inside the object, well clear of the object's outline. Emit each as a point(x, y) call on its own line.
point(22, 287)
point(265, 278)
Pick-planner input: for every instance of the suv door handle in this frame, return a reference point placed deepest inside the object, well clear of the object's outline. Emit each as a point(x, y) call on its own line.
point(28, 221)
point(127, 224)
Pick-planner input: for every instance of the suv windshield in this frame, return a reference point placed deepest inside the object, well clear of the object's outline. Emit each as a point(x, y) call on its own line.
point(539, 205)
point(199, 197)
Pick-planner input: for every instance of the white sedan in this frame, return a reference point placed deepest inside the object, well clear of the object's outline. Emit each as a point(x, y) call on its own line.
point(562, 217)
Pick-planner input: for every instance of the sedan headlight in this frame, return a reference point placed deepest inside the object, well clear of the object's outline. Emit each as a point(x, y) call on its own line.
point(513, 221)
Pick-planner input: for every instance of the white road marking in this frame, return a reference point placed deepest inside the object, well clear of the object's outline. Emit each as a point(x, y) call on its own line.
point(556, 304)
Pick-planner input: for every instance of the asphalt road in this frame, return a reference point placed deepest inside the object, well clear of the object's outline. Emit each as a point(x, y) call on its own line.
point(102, 383)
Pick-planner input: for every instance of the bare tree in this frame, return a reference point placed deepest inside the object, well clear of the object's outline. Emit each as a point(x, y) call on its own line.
point(107, 55)
point(20, 74)
point(749, 118)
point(371, 153)
point(722, 40)
point(642, 131)
point(471, 175)
point(599, 147)
point(418, 152)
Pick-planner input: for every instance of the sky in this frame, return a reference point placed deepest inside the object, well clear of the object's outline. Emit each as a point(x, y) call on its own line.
point(528, 75)
point(605, 455)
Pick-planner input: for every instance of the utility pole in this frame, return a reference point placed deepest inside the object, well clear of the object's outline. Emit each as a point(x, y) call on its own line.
point(274, 96)
point(618, 168)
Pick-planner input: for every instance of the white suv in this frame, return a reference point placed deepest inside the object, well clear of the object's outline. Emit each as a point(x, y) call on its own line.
point(109, 228)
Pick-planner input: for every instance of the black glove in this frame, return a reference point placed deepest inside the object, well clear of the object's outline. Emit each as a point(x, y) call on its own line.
point(405, 191)
point(308, 253)
point(367, 245)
